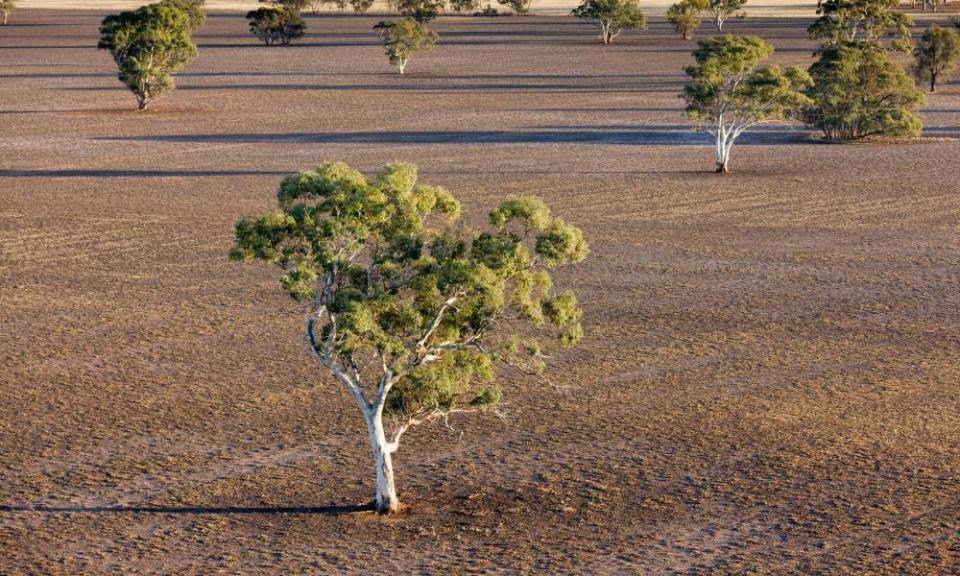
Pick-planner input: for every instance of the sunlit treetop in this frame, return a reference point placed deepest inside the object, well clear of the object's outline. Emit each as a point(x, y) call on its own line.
point(412, 309)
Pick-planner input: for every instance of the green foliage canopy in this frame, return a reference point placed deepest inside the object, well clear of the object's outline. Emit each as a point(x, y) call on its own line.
point(861, 21)
point(196, 17)
point(405, 298)
point(859, 92)
point(148, 45)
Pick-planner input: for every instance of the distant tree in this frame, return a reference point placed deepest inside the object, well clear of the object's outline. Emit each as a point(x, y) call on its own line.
point(465, 6)
point(148, 45)
point(361, 6)
point(613, 16)
point(936, 54)
point(275, 25)
point(6, 7)
point(859, 92)
point(423, 11)
point(729, 93)
point(843, 22)
point(295, 6)
point(520, 7)
point(723, 10)
point(196, 17)
point(410, 312)
point(685, 16)
point(404, 37)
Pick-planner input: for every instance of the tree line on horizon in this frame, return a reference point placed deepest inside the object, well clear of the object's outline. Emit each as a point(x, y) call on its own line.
point(853, 89)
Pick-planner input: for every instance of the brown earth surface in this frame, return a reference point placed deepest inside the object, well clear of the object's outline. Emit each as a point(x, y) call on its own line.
point(769, 378)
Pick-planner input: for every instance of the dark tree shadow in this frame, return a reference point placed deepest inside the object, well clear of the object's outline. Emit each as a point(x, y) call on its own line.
point(125, 173)
point(269, 510)
point(675, 135)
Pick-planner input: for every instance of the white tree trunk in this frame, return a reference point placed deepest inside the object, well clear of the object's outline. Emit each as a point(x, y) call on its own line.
point(724, 144)
point(387, 500)
point(401, 65)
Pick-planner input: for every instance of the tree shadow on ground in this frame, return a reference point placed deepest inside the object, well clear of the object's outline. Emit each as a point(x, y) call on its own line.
point(332, 510)
point(671, 135)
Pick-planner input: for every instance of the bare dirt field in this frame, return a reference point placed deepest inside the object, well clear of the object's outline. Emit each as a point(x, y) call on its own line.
point(768, 382)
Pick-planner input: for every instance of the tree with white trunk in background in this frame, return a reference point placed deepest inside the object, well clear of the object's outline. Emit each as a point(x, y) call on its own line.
point(723, 10)
point(6, 7)
point(613, 16)
point(404, 37)
point(519, 7)
point(409, 310)
point(728, 92)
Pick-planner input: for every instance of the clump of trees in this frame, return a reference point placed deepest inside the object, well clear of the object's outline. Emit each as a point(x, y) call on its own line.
point(6, 7)
point(149, 45)
point(613, 16)
point(722, 10)
point(276, 25)
point(858, 91)
point(297, 6)
point(361, 6)
point(847, 22)
point(411, 312)
point(729, 92)
point(936, 54)
point(423, 11)
point(404, 37)
point(685, 16)
point(519, 7)
point(465, 6)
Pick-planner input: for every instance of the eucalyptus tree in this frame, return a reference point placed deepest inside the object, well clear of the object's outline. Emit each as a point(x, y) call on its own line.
point(613, 16)
point(729, 92)
point(519, 7)
point(423, 11)
point(404, 37)
point(846, 22)
point(6, 7)
point(936, 54)
point(196, 17)
point(275, 25)
point(410, 312)
point(685, 16)
point(723, 10)
point(859, 92)
point(361, 6)
point(148, 45)
point(465, 6)
point(296, 6)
